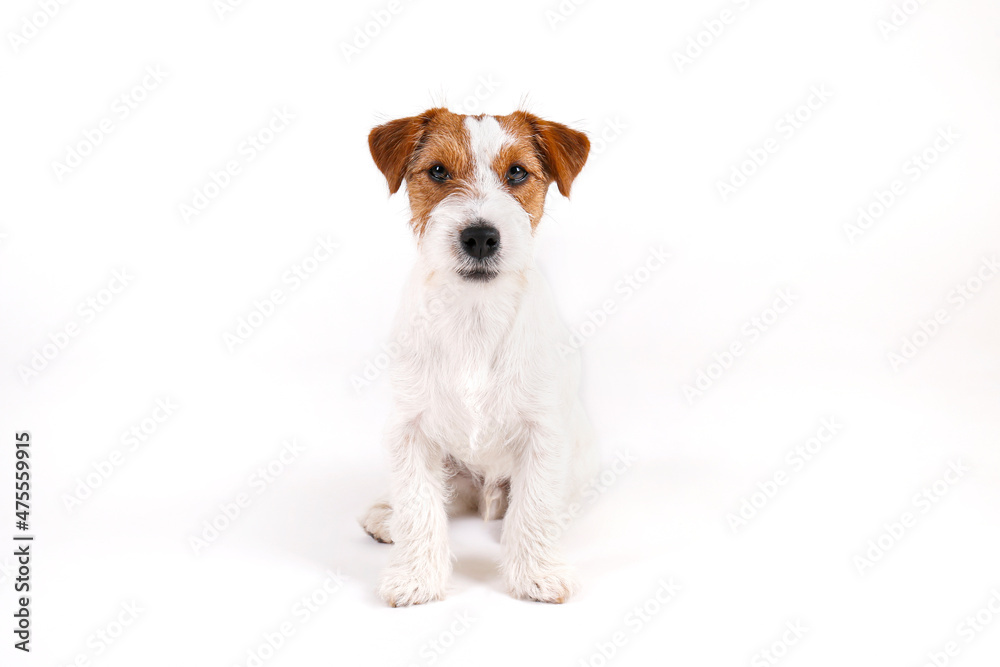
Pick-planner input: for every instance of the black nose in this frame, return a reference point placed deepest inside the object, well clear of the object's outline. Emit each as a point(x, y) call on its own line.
point(480, 241)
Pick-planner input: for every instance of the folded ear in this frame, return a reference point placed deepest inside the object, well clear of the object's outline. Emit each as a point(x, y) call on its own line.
point(393, 144)
point(563, 150)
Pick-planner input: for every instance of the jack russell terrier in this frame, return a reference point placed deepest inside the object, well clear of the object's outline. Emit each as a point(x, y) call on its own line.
point(486, 415)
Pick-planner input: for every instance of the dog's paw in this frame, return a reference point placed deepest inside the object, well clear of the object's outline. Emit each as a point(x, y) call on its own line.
point(376, 522)
point(554, 584)
point(402, 588)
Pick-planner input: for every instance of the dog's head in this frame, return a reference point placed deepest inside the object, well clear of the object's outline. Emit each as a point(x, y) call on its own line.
point(477, 184)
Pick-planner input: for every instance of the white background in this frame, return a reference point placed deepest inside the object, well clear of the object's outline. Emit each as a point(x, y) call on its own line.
point(671, 133)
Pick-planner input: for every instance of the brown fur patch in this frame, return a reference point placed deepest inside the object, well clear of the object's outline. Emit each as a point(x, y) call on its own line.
point(445, 142)
point(393, 144)
point(563, 150)
point(524, 152)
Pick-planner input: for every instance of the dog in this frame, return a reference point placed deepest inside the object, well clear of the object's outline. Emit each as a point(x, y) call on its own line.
point(486, 416)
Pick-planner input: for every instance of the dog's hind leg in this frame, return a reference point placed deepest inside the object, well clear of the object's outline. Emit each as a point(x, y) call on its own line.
point(463, 489)
point(466, 494)
point(376, 521)
point(470, 493)
point(493, 499)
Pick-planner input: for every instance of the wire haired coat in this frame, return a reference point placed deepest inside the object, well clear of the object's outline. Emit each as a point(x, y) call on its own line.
point(485, 414)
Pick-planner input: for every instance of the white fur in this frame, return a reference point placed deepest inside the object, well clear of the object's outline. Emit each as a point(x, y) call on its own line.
point(481, 395)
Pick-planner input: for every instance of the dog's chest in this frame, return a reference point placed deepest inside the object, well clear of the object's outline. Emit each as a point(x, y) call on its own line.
point(479, 396)
point(474, 395)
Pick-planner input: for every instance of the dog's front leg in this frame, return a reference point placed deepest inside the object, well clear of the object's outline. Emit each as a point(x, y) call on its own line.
point(420, 561)
point(533, 564)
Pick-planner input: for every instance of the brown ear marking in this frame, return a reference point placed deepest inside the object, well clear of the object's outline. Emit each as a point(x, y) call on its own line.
point(393, 144)
point(563, 150)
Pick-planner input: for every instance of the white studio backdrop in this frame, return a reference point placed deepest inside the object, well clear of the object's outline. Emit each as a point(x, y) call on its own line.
point(780, 263)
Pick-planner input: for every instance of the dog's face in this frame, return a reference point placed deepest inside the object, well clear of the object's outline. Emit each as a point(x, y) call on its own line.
point(477, 184)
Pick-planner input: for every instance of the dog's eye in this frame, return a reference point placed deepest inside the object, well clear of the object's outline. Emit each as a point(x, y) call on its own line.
point(439, 173)
point(516, 174)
